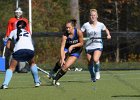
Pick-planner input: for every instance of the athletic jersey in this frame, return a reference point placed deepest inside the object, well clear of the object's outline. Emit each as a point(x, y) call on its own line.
point(93, 32)
point(12, 25)
point(72, 41)
point(23, 42)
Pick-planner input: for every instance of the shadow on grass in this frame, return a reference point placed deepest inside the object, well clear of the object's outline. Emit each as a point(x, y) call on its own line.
point(76, 81)
point(126, 96)
point(28, 87)
point(18, 88)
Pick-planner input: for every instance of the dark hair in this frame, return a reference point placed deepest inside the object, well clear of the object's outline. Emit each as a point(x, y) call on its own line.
point(73, 22)
point(21, 24)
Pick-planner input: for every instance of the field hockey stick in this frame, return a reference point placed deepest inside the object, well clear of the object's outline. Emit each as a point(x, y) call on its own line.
point(43, 71)
point(3, 54)
point(91, 38)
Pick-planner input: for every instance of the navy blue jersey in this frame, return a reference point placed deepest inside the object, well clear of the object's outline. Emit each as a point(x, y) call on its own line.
point(72, 41)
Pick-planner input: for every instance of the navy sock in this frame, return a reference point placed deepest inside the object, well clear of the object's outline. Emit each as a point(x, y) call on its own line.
point(97, 67)
point(59, 74)
point(57, 67)
point(91, 70)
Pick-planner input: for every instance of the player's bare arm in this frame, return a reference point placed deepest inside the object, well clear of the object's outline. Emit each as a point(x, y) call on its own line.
point(62, 61)
point(108, 33)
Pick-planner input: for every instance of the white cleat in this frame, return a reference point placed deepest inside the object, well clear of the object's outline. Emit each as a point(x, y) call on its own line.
point(97, 75)
point(4, 87)
point(54, 82)
point(37, 84)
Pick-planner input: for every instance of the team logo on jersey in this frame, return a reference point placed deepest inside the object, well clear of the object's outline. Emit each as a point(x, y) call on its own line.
point(72, 41)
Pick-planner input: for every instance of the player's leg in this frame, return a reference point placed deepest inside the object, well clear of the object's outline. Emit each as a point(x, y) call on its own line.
point(34, 71)
point(91, 66)
point(97, 54)
point(54, 70)
point(56, 67)
point(64, 69)
point(8, 58)
point(9, 74)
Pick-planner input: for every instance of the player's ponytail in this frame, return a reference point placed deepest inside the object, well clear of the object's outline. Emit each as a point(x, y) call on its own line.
point(20, 24)
point(18, 32)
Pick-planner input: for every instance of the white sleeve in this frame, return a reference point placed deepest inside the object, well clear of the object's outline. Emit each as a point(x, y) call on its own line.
point(103, 27)
point(83, 28)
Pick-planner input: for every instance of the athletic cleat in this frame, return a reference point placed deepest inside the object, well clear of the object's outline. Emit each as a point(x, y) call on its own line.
point(93, 80)
point(4, 87)
point(97, 75)
point(37, 84)
point(54, 82)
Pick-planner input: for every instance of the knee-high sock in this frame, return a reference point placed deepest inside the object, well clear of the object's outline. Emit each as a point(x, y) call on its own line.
point(59, 74)
point(8, 76)
point(56, 67)
point(91, 70)
point(34, 72)
point(97, 67)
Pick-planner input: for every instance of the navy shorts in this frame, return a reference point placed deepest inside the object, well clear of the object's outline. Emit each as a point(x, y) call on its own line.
point(76, 54)
point(23, 55)
point(92, 50)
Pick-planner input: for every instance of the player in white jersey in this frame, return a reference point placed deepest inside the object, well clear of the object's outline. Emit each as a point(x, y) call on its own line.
point(25, 41)
point(23, 51)
point(94, 47)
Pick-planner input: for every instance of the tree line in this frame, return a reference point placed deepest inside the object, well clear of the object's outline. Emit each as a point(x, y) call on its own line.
point(51, 15)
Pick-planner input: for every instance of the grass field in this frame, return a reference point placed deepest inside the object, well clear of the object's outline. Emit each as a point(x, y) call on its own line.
point(113, 85)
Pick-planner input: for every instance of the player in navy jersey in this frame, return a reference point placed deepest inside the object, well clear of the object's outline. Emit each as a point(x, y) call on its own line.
point(71, 48)
point(23, 51)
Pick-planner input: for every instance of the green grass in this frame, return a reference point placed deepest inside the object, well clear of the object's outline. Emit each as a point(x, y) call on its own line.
point(113, 85)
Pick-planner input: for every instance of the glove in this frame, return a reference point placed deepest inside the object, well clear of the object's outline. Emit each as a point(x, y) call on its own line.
point(5, 40)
